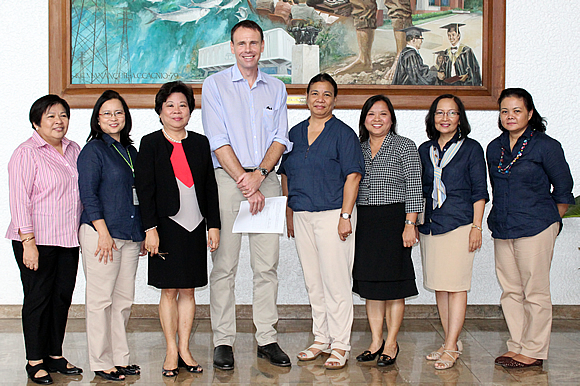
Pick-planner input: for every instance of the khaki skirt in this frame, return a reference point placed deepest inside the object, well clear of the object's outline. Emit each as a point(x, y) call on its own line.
point(447, 262)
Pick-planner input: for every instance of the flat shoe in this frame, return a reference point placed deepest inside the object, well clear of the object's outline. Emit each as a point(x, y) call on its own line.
point(307, 355)
point(112, 376)
point(189, 368)
point(129, 369)
point(446, 364)
point(386, 360)
point(60, 365)
point(513, 364)
point(33, 370)
point(340, 359)
point(367, 356)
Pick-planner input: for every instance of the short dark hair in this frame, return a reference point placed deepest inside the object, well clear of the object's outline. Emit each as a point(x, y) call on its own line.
point(323, 77)
point(97, 131)
point(247, 24)
point(170, 88)
point(41, 106)
point(363, 133)
point(536, 121)
point(464, 127)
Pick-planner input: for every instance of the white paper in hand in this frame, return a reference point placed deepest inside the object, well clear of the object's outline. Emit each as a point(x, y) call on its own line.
point(269, 220)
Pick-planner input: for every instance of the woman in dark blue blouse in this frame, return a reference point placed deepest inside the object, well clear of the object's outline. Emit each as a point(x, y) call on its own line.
point(532, 189)
point(320, 177)
point(110, 235)
point(455, 192)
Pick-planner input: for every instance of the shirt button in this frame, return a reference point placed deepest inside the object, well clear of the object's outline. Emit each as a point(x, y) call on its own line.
point(132, 216)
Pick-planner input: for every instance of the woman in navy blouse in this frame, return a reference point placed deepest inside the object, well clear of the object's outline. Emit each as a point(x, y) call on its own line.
point(455, 192)
point(532, 189)
point(320, 177)
point(110, 235)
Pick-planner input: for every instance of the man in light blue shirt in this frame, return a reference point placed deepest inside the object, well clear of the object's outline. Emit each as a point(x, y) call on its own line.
point(244, 116)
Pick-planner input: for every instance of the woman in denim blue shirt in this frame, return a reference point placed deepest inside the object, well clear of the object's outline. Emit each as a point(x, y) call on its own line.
point(455, 191)
point(110, 235)
point(532, 188)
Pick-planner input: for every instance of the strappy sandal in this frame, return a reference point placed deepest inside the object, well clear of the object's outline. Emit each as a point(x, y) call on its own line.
point(436, 355)
point(340, 359)
point(308, 355)
point(445, 364)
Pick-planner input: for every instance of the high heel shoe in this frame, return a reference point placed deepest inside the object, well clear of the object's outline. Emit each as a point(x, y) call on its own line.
point(170, 373)
point(436, 355)
point(367, 356)
point(192, 369)
point(386, 360)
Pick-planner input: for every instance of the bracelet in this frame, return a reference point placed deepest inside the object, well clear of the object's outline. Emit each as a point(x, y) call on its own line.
point(150, 229)
point(409, 222)
point(27, 239)
point(477, 227)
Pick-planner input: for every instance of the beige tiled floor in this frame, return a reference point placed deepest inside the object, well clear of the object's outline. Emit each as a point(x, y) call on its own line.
point(483, 340)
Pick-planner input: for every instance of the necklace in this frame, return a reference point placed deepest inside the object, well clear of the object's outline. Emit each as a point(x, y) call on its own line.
point(171, 139)
point(507, 169)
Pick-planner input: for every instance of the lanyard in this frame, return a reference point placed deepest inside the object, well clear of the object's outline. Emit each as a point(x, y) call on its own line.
point(130, 162)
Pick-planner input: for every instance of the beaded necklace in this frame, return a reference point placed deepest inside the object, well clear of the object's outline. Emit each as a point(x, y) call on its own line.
point(507, 169)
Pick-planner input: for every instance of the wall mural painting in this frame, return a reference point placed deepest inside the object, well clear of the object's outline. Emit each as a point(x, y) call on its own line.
point(359, 42)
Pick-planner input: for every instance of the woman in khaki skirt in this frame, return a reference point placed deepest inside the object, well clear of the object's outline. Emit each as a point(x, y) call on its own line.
point(455, 190)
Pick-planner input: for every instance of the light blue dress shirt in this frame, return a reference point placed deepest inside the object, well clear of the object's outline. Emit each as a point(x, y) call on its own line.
point(247, 119)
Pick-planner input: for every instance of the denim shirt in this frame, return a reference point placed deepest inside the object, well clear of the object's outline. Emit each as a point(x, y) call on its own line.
point(524, 200)
point(465, 180)
point(106, 188)
point(316, 173)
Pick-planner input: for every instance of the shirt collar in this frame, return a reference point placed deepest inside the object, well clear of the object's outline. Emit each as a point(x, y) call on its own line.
point(505, 137)
point(108, 139)
point(449, 143)
point(237, 75)
point(40, 142)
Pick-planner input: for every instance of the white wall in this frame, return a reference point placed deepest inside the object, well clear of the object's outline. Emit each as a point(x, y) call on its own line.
point(542, 56)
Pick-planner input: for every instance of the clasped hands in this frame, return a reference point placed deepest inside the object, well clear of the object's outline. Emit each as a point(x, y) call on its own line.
point(249, 184)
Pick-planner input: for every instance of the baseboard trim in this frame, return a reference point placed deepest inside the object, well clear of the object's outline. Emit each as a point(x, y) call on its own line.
point(302, 311)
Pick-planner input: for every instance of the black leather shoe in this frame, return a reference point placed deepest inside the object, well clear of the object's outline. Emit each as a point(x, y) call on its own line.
point(112, 376)
point(129, 369)
point(33, 370)
point(223, 357)
point(60, 365)
point(274, 354)
point(368, 356)
point(386, 360)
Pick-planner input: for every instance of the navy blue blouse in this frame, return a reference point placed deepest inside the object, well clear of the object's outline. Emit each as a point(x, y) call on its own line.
point(465, 180)
point(524, 200)
point(106, 188)
point(317, 173)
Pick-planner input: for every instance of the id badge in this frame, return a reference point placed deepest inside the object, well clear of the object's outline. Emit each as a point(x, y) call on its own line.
point(135, 198)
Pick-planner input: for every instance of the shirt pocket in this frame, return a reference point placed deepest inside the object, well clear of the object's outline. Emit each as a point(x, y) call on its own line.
point(269, 119)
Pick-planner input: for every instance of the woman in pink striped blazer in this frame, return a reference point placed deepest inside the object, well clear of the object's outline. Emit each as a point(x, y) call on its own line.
point(45, 209)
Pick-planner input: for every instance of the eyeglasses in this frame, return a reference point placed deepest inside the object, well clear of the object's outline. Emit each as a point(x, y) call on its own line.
point(450, 113)
point(111, 114)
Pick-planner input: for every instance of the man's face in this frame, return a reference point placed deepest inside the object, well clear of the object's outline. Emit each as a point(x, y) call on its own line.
point(417, 42)
point(247, 47)
point(453, 37)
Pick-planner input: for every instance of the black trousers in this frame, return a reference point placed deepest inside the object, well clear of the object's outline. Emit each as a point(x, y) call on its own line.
point(47, 297)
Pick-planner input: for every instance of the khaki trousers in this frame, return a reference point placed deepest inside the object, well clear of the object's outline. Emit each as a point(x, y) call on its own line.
point(264, 253)
point(327, 264)
point(110, 291)
point(523, 269)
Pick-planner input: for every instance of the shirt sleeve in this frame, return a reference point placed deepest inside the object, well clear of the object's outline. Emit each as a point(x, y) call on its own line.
point(212, 115)
point(558, 171)
point(281, 121)
point(90, 167)
point(351, 156)
point(412, 172)
point(21, 175)
point(478, 174)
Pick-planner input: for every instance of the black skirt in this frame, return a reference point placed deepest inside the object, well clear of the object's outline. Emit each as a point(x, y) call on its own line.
point(185, 264)
point(383, 268)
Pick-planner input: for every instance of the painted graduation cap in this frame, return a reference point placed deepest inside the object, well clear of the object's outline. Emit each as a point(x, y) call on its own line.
point(452, 26)
point(414, 31)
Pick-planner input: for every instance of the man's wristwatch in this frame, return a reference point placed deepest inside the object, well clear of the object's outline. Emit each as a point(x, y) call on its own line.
point(263, 171)
point(409, 222)
point(345, 216)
